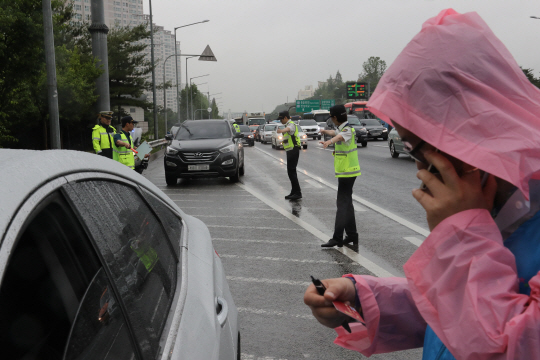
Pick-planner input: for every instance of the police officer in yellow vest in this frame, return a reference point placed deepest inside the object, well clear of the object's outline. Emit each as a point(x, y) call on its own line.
point(236, 127)
point(346, 168)
point(102, 135)
point(291, 144)
point(124, 143)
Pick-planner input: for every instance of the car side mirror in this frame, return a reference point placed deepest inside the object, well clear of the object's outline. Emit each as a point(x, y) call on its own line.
point(169, 137)
point(363, 124)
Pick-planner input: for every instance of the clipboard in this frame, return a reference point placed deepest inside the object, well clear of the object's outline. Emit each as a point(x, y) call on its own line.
point(143, 149)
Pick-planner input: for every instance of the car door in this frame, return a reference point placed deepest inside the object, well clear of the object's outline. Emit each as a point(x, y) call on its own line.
point(54, 288)
point(136, 251)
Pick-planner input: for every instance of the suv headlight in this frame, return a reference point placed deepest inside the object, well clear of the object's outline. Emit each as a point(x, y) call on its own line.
point(250, 136)
point(171, 151)
point(227, 149)
point(363, 130)
point(384, 130)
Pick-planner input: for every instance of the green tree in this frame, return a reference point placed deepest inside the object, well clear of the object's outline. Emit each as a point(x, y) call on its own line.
point(129, 68)
point(530, 75)
point(26, 113)
point(373, 70)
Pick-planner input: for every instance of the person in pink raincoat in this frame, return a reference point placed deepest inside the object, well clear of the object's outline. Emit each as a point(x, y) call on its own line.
point(472, 289)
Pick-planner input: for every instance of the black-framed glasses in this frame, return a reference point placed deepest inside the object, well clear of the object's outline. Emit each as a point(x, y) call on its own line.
point(415, 152)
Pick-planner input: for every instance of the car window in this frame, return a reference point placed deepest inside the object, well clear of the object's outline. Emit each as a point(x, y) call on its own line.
point(353, 120)
point(196, 130)
point(136, 251)
point(307, 122)
point(321, 117)
point(171, 222)
point(270, 128)
point(100, 330)
point(244, 128)
point(45, 282)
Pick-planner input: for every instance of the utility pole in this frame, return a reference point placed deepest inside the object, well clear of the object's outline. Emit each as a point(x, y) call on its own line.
point(153, 71)
point(50, 60)
point(99, 31)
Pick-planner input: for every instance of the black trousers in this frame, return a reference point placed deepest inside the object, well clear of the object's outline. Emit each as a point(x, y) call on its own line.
point(292, 162)
point(345, 220)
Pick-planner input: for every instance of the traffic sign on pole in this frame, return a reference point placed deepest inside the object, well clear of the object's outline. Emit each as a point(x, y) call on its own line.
point(356, 90)
point(310, 105)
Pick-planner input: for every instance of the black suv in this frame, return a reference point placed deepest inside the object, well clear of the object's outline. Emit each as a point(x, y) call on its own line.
point(248, 135)
point(204, 148)
point(360, 130)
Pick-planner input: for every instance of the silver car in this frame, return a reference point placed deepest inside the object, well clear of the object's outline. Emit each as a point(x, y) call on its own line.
point(395, 144)
point(97, 263)
point(277, 139)
point(265, 132)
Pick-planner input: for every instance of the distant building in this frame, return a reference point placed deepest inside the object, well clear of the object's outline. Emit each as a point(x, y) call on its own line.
point(306, 93)
point(130, 13)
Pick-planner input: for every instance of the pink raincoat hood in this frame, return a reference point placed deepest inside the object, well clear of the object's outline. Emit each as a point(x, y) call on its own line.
point(456, 86)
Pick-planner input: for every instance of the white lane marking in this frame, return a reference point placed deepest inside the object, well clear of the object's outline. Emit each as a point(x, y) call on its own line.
point(413, 240)
point(236, 217)
point(213, 207)
point(303, 243)
point(244, 356)
point(203, 194)
point(304, 261)
point(253, 227)
point(359, 208)
point(207, 201)
point(269, 281)
point(380, 210)
point(314, 184)
point(383, 146)
point(368, 264)
point(273, 313)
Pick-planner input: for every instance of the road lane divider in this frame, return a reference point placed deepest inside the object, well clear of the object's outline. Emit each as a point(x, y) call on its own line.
point(418, 229)
point(281, 242)
point(304, 284)
point(273, 313)
point(366, 263)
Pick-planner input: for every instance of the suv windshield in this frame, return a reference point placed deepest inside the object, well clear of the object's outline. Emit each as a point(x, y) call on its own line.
point(371, 122)
point(320, 117)
point(270, 128)
point(244, 128)
point(353, 120)
point(307, 122)
point(196, 130)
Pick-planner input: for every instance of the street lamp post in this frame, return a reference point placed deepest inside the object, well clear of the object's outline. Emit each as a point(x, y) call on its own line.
point(165, 91)
point(177, 71)
point(191, 90)
point(153, 71)
point(187, 103)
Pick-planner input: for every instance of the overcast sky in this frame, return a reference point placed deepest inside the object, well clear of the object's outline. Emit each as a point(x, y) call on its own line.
point(268, 50)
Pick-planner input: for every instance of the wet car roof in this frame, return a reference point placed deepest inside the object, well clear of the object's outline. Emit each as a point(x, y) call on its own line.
point(25, 171)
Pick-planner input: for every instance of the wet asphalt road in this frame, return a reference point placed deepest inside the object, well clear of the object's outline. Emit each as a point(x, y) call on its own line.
point(270, 246)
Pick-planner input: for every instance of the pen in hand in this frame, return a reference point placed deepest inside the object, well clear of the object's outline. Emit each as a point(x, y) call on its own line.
point(321, 289)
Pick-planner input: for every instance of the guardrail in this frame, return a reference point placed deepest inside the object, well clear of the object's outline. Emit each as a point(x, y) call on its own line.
point(158, 142)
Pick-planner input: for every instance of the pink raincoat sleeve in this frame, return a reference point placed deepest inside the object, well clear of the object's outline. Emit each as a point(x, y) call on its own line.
point(464, 283)
point(393, 322)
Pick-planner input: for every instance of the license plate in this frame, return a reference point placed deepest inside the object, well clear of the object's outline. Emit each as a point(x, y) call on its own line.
point(198, 167)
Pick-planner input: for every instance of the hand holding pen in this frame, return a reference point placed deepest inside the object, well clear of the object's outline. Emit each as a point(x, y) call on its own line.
point(323, 310)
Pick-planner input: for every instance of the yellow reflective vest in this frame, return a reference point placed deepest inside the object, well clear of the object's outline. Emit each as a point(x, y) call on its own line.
point(346, 156)
point(290, 141)
point(101, 139)
point(124, 155)
point(236, 127)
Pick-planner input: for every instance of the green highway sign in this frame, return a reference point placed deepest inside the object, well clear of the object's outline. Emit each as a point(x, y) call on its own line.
point(309, 105)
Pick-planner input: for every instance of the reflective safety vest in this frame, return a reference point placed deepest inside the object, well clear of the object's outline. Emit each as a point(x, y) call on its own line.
point(146, 254)
point(101, 139)
point(236, 127)
point(124, 155)
point(291, 141)
point(346, 156)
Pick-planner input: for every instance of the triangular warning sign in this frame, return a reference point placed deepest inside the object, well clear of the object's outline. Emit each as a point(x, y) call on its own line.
point(207, 55)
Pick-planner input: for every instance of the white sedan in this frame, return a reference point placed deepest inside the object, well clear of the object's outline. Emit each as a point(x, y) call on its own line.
point(265, 132)
point(97, 263)
point(277, 139)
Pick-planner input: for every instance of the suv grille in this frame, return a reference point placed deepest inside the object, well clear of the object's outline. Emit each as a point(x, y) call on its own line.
point(199, 157)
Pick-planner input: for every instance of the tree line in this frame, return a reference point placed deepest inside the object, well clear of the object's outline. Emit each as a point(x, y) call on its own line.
point(24, 113)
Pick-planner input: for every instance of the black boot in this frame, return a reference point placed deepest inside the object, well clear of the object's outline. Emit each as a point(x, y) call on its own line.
point(296, 196)
point(351, 239)
point(333, 242)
